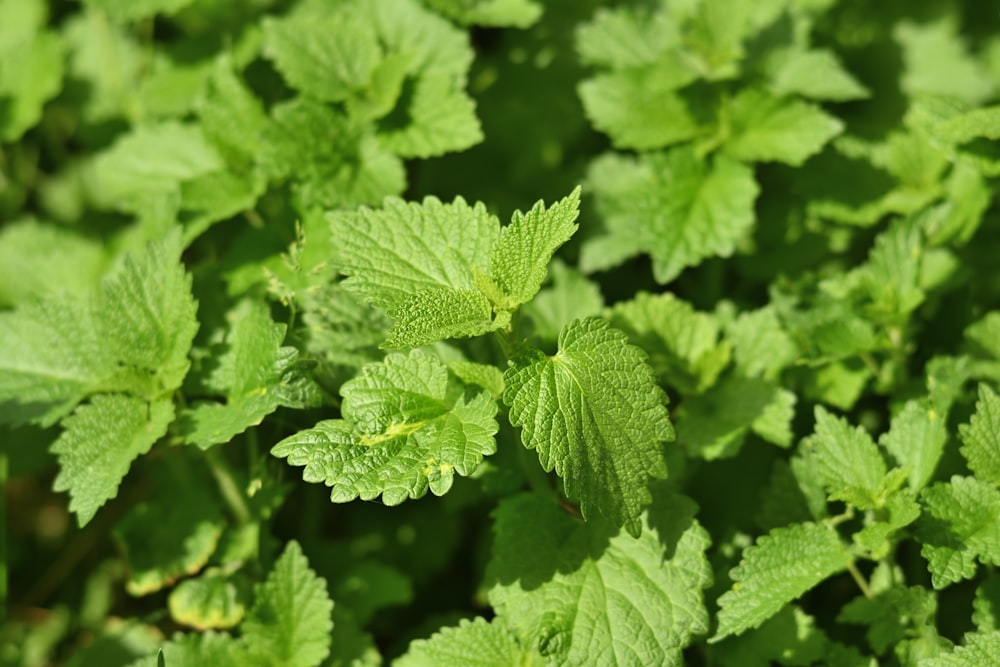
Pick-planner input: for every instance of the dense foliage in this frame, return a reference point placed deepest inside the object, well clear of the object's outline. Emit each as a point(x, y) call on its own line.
point(295, 371)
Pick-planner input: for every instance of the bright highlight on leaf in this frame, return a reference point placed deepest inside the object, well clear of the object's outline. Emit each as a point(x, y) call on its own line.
point(595, 414)
point(407, 428)
point(571, 590)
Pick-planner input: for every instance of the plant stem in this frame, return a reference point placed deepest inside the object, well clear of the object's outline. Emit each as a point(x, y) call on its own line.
point(227, 485)
point(860, 580)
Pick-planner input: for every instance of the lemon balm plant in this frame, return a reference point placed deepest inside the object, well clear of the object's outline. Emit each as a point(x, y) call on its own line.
point(497, 332)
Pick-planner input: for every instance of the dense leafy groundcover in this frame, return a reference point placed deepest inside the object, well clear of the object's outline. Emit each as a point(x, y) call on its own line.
point(295, 371)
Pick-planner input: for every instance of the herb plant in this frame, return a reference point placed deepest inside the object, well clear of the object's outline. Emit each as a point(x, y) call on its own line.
point(500, 332)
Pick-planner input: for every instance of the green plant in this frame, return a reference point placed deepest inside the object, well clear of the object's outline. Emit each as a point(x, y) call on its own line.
point(729, 398)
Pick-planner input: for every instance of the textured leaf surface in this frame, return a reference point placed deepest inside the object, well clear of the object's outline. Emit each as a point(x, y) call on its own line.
point(404, 430)
point(848, 461)
point(761, 346)
point(435, 314)
point(783, 565)
point(476, 643)
point(767, 128)
point(133, 335)
point(982, 437)
point(404, 248)
point(255, 374)
point(961, 524)
point(594, 413)
point(521, 256)
point(289, 624)
point(101, 440)
point(979, 649)
point(675, 207)
point(574, 590)
point(571, 296)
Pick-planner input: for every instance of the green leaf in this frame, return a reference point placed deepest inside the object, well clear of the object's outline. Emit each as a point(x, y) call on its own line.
point(674, 206)
point(641, 108)
point(683, 345)
point(521, 255)
point(761, 346)
point(255, 374)
point(936, 61)
point(790, 637)
point(571, 296)
point(960, 524)
point(435, 314)
point(289, 624)
point(476, 643)
point(849, 462)
point(31, 73)
point(594, 413)
point(208, 601)
point(37, 260)
point(133, 10)
point(404, 430)
point(979, 649)
point(404, 248)
point(151, 159)
point(714, 424)
point(332, 163)
point(986, 606)
point(815, 73)
point(783, 565)
point(981, 437)
point(568, 589)
point(492, 13)
point(893, 270)
point(916, 439)
point(892, 615)
point(164, 541)
point(101, 440)
point(442, 120)
point(625, 37)
point(766, 128)
point(327, 55)
point(232, 118)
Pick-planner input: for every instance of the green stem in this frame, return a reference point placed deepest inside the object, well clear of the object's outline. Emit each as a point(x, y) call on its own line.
point(227, 485)
point(860, 580)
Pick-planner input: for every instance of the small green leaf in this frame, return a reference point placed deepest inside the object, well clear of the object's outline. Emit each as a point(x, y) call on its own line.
point(936, 61)
point(404, 431)
point(814, 73)
point(208, 601)
point(981, 437)
point(595, 414)
point(761, 346)
point(571, 296)
point(254, 373)
point(476, 643)
point(960, 524)
point(289, 624)
point(673, 205)
point(783, 565)
point(101, 440)
point(766, 128)
point(683, 344)
point(519, 259)
point(916, 439)
point(849, 462)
